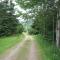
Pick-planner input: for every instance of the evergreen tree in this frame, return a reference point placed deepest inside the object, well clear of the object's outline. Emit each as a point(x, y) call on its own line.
point(8, 21)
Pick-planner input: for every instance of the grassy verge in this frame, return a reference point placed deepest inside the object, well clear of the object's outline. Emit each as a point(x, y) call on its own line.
point(48, 49)
point(8, 42)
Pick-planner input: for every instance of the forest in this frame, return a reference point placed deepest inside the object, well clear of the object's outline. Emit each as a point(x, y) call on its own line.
point(40, 19)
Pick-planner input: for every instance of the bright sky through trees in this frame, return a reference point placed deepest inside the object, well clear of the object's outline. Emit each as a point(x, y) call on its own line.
point(17, 10)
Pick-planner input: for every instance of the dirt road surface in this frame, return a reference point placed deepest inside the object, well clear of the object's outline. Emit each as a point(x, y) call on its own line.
point(25, 50)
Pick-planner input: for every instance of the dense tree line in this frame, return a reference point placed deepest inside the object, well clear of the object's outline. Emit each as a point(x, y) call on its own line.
point(46, 19)
point(8, 22)
point(47, 15)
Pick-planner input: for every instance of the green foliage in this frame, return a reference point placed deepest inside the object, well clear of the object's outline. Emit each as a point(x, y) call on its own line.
point(20, 28)
point(8, 42)
point(44, 25)
point(8, 21)
point(33, 31)
point(48, 49)
point(45, 19)
point(45, 14)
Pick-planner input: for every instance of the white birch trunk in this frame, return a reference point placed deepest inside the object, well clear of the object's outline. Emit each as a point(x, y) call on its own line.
point(58, 34)
point(58, 30)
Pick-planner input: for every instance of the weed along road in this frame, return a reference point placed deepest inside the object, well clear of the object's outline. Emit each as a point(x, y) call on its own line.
point(25, 50)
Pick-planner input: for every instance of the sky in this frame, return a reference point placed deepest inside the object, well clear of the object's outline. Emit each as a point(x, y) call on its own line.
point(18, 8)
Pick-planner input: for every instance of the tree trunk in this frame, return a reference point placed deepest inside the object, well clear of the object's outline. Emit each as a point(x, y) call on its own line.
point(58, 33)
point(58, 30)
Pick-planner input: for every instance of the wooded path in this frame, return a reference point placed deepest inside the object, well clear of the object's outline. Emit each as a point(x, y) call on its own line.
point(25, 50)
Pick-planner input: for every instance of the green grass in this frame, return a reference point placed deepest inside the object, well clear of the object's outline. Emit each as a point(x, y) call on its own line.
point(8, 42)
point(47, 49)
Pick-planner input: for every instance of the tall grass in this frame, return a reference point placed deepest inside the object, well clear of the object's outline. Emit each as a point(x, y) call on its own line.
point(48, 48)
